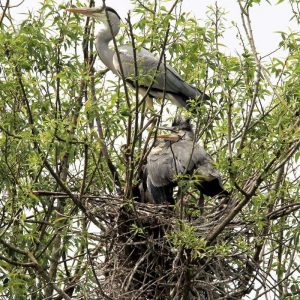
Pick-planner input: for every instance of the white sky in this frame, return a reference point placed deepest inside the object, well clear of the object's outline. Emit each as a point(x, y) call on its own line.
point(266, 19)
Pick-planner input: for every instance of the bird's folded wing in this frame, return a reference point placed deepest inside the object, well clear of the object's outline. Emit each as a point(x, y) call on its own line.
point(165, 166)
point(159, 169)
point(152, 71)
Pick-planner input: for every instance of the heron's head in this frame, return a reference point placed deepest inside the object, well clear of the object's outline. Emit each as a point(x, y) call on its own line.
point(181, 129)
point(182, 123)
point(101, 14)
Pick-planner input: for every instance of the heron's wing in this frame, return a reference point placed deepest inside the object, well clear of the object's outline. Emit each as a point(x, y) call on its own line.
point(190, 156)
point(164, 164)
point(210, 183)
point(186, 155)
point(159, 166)
point(149, 70)
point(206, 165)
point(183, 157)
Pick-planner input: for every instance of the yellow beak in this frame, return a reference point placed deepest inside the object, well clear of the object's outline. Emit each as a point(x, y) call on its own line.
point(170, 137)
point(87, 11)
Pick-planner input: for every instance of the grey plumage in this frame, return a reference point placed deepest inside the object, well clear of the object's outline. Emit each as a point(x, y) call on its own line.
point(170, 158)
point(165, 82)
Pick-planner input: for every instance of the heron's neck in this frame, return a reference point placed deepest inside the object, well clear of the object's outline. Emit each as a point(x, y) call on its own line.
point(187, 135)
point(103, 38)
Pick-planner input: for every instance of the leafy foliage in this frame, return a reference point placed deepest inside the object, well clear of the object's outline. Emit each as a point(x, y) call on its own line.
point(72, 147)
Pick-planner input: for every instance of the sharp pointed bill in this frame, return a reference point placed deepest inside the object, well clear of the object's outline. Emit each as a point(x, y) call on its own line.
point(177, 154)
point(164, 80)
point(84, 10)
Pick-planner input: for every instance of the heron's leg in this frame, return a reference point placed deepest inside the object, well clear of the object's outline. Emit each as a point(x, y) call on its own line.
point(153, 113)
point(201, 203)
point(150, 106)
point(149, 101)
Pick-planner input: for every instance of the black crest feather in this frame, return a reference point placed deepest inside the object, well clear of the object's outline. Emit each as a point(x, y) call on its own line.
point(182, 123)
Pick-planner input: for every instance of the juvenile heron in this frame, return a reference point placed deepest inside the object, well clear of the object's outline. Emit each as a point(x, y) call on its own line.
point(164, 80)
point(177, 154)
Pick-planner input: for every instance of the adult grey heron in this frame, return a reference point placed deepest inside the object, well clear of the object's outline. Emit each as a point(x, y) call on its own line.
point(164, 80)
point(177, 154)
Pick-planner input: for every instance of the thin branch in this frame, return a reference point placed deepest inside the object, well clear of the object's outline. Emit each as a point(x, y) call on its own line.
point(4, 11)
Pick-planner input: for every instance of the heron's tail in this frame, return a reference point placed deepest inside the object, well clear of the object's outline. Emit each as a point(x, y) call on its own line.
point(203, 96)
point(213, 188)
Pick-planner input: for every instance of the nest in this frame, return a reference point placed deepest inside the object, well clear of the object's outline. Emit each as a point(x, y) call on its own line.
point(149, 251)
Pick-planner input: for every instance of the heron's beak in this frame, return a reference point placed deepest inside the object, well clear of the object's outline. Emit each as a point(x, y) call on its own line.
point(170, 137)
point(167, 128)
point(87, 11)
